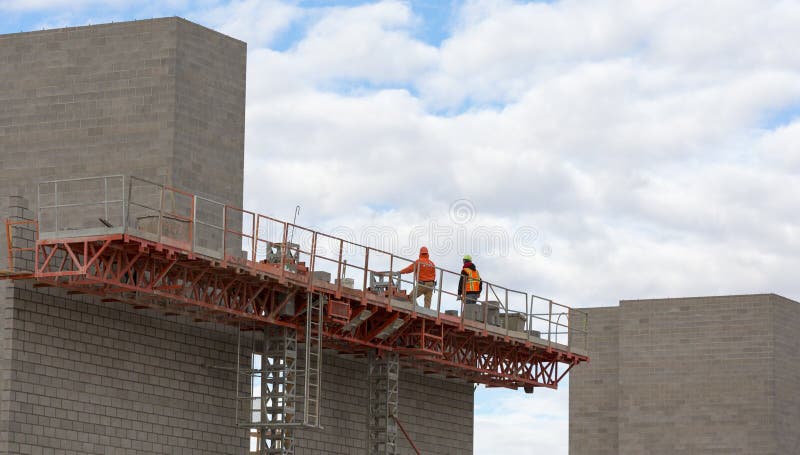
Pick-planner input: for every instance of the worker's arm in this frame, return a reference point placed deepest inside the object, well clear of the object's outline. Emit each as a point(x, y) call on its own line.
point(410, 268)
point(461, 282)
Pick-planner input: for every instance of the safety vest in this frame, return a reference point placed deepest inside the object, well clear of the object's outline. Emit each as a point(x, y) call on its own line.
point(473, 283)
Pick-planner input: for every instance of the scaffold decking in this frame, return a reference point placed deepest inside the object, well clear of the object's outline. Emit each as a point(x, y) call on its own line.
point(125, 239)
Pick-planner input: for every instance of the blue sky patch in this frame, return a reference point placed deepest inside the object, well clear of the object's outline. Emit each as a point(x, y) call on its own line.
point(782, 117)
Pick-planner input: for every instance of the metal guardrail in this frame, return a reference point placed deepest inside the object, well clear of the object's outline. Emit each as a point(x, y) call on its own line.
point(164, 214)
point(74, 207)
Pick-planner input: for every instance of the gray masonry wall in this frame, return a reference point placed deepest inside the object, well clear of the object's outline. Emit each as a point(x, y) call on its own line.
point(787, 374)
point(694, 375)
point(90, 378)
point(594, 388)
point(87, 101)
point(99, 378)
point(161, 99)
point(209, 113)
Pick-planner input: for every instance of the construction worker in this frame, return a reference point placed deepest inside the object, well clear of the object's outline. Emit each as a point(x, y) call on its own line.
point(469, 284)
point(425, 274)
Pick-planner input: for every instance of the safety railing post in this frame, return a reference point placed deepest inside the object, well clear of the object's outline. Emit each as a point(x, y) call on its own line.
point(36, 247)
point(366, 268)
point(255, 237)
point(225, 232)
point(284, 247)
point(390, 292)
point(161, 213)
point(38, 202)
point(105, 197)
point(550, 323)
point(128, 203)
point(415, 282)
point(55, 195)
point(312, 261)
point(193, 227)
point(253, 233)
point(9, 246)
point(506, 312)
point(339, 269)
point(528, 319)
point(486, 307)
point(463, 307)
point(439, 298)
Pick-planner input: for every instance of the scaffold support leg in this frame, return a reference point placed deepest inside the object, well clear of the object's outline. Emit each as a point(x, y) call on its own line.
point(278, 391)
point(384, 381)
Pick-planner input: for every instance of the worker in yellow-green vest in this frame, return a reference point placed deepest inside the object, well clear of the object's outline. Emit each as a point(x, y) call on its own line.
point(469, 284)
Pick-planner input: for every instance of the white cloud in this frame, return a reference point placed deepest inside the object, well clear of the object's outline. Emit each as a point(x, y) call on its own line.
point(780, 148)
point(629, 163)
point(256, 22)
point(73, 6)
point(370, 42)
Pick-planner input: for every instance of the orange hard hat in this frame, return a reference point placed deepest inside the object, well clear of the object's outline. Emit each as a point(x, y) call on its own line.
point(423, 250)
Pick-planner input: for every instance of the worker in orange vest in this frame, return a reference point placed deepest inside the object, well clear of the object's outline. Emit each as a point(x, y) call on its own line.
point(425, 273)
point(469, 284)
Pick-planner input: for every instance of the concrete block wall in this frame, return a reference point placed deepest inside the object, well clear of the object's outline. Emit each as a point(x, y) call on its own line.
point(787, 374)
point(694, 375)
point(6, 375)
point(86, 101)
point(99, 378)
point(90, 377)
point(594, 388)
point(209, 113)
point(701, 366)
point(161, 99)
point(437, 413)
point(16, 209)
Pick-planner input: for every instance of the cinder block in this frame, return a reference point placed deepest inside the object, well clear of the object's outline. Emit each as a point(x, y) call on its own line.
point(324, 277)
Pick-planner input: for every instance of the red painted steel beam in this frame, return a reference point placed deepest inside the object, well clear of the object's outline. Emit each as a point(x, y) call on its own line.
point(158, 276)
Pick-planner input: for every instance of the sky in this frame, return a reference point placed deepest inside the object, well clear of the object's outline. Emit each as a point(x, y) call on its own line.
point(587, 151)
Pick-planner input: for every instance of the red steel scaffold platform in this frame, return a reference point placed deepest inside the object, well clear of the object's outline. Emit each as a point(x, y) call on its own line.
point(125, 239)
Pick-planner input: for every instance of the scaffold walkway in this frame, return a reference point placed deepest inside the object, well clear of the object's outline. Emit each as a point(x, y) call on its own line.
point(125, 239)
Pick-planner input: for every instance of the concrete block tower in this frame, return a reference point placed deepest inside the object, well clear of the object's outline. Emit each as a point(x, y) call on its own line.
point(164, 100)
point(161, 99)
point(690, 375)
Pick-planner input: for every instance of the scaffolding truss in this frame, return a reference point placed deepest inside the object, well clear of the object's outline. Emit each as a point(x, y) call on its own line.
point(267, 399)
point(163, 249)
point(384, 384)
